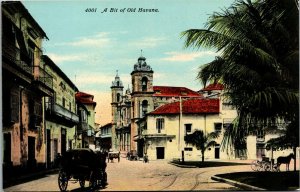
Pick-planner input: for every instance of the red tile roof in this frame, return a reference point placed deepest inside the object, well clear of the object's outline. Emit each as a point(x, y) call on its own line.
point(214, 86)
point(190, 106)
point(82, 94)
point(167, 91)
point(85, 98)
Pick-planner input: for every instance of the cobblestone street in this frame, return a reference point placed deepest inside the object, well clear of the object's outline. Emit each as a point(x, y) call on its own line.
point(136, 175)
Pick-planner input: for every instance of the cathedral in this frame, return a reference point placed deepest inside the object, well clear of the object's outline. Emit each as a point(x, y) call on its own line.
point(154, 120)
point(132, 105)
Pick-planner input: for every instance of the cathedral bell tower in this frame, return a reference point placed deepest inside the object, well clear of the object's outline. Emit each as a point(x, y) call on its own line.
point(141, 96)
point(117, 93)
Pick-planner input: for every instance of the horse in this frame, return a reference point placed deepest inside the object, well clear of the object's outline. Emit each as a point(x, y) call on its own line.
point(285, 160)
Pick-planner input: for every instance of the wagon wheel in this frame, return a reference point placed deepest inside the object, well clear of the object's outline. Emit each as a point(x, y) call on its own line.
point(254, 165)
point(267, 166)
point(62, 180)
point(82, 182)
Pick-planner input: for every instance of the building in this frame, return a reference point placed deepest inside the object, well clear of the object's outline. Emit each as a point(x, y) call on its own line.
point(128, 108)
point(162, 131)
point(25, 85)
point(86, 128)
point(60, 112)
point(103, 139)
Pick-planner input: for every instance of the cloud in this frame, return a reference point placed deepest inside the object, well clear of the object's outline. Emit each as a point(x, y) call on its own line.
point(66, 58)
point(182, 57)
point(148, 42)
point(100, 39)
point(84, 79)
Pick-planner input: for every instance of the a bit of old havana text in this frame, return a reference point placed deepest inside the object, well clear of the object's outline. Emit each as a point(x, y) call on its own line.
point(122, 10)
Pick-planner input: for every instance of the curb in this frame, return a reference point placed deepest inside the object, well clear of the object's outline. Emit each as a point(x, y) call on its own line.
point(237, 184)
point(182, 166)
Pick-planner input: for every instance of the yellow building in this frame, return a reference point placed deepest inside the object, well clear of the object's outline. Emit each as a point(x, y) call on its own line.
point(60, 111)
point(86, 128)
point(24, 86)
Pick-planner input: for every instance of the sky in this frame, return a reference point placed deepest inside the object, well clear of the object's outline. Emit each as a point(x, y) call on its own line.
point(90, 47)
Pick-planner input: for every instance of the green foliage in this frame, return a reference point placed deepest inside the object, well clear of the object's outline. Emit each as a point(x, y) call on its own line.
point(201, 140)
point(258, 62)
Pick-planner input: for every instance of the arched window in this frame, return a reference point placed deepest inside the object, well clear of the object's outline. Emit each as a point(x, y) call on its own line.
point(144, 107)
point(144, 83)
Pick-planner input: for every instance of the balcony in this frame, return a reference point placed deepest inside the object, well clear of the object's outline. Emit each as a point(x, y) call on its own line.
point(43, 80)
point(13, 54)
point(82, 127)
point(61, 111)
point(61, 115)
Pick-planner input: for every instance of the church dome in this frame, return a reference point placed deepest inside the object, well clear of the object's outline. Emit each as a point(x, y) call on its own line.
point(141, 65)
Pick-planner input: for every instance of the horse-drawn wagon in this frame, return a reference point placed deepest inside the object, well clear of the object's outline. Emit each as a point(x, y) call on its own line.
point(113, 155)
point(80, 165)
point(132, 155)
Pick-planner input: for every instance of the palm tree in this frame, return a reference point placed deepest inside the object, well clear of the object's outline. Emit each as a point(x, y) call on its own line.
point(201, 141)
point(290, 139)
point(258, 62)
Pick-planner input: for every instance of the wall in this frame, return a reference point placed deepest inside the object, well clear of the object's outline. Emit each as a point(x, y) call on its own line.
point(173, 149)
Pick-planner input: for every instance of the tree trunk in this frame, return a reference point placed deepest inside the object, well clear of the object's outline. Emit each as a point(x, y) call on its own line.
point(203, 156)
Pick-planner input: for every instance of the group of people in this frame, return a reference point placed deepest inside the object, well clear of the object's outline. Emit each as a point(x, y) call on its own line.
point(131, 155)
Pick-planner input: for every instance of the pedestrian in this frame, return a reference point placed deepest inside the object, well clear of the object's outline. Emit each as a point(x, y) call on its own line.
point(145, 159)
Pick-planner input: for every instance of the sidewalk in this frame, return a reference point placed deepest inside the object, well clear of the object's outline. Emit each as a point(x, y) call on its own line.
point(27, 177)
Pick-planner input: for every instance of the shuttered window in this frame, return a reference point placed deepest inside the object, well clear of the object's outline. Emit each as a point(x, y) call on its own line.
point(14, 106)
point(160, 124)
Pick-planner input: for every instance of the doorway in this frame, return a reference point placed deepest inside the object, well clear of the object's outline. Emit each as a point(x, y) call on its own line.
point(48, 148)
point(31, 152)
point(7, 148)
point(160, 152)
point(63, 141)
point(217, 151)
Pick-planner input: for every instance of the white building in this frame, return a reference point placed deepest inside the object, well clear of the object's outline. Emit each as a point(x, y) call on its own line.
point(162, 131)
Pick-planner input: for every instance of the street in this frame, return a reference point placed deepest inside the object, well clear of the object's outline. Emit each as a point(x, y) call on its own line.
point(136, 176)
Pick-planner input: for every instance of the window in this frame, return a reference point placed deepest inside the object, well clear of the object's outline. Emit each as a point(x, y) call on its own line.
point(218, 127)
point(144, 107)
point(188, 128)
point(260, 135)
point(83, 116)
point(227, 106)
point(63, 102)
point(31, 56)
point(118, 97)
point(144, 83)
point(160, 124)
point(14, 106)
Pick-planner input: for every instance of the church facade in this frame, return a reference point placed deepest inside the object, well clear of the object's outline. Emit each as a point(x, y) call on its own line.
point(129, 107)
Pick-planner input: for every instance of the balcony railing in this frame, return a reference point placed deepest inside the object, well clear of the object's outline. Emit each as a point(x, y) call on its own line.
point(13, 54)
point(61, 111)
point(82, 126)
point(43, 77)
